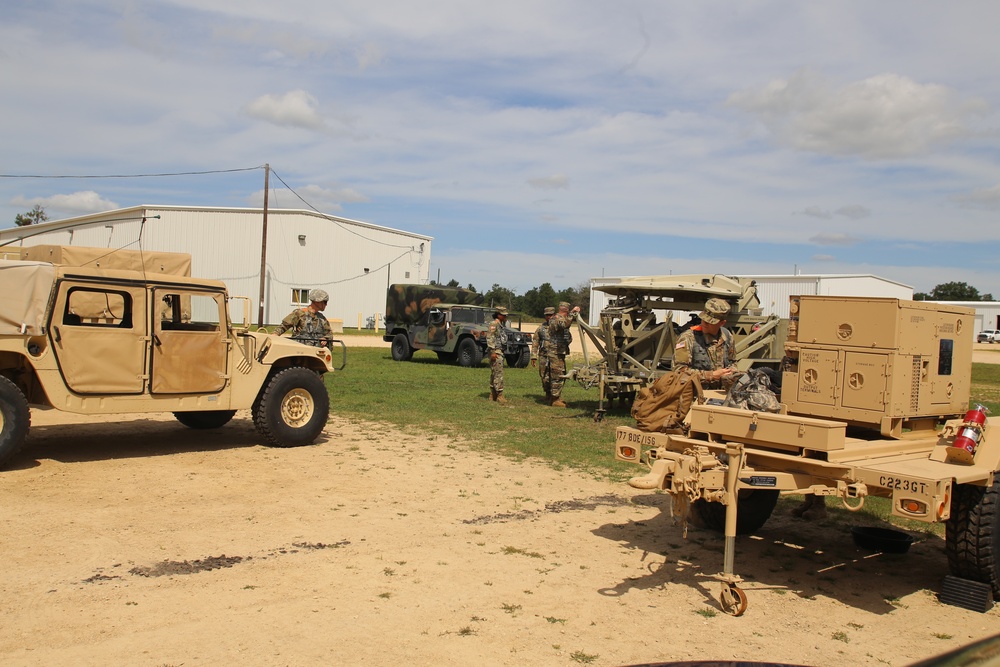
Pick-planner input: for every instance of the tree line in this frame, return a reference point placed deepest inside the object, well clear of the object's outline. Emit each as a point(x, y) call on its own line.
point(533, 301)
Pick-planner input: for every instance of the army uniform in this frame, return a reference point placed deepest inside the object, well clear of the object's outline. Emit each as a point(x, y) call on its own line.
point(540, 351)
point(559, 340)
point(705, 352)
point(309, 324)
point(496, 343)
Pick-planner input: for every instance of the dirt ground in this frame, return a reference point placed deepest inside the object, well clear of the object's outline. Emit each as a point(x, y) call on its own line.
point(141, 542)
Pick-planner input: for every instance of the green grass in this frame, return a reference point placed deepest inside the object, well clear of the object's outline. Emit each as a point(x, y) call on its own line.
point(434, 398)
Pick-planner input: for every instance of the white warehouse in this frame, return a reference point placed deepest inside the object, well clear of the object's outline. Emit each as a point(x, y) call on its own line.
point(353, 261)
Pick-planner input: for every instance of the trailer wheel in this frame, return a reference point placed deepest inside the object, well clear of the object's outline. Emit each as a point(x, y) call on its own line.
point(15, 418)
point(401, 350)
point(205, 419)
point(972, 532)
point(469, 354)
point(754, 508)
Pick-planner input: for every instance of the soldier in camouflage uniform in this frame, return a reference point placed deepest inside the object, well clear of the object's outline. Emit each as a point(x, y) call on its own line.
point(559, 340)
point(309, 325)
point(496, 343)
point(540, 351)
point(708, 347)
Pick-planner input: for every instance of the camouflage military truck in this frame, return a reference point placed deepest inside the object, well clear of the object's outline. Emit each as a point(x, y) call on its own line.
point(875, 403)
point(100, 332)
point(450, 321)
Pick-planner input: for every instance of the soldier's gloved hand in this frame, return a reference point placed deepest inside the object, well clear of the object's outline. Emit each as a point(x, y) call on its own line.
point(534, 363)
point(493, 356)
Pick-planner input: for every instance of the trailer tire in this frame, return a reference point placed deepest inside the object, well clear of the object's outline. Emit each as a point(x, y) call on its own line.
point(15, 418)
point(754, 509)
point(401, 350)
point(469, 354)
point(205, 419)
point(972, 532)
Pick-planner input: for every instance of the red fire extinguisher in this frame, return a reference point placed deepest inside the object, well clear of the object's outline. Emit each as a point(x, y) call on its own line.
point(963, 450)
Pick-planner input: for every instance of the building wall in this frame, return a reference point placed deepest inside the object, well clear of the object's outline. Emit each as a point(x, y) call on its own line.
point(304, 250)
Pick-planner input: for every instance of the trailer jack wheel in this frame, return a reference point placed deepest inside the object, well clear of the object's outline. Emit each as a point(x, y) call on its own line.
point(733, 599)
point(599, 416)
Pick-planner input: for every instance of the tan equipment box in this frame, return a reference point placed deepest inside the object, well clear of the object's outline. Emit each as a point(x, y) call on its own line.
point(876, 362)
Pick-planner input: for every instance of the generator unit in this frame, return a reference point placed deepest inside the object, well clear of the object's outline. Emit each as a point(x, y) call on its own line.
point(879, 363)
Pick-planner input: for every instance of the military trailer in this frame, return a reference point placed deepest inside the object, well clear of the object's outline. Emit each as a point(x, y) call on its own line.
point(449, 321)
point(632, 348)
point(100, 332)
point(875, 403)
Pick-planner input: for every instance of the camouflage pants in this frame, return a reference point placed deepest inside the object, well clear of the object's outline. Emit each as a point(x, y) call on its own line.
point(556, 368)
point(496, 372)
point(543, 372)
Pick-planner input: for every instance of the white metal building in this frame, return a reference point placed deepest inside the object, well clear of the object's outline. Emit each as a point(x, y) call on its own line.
point(353, 261)
point(774, 291)
point(987, 314)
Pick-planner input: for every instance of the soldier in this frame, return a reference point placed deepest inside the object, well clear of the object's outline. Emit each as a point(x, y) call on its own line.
point(559, 340)
point(309, 324)
point(708, 347)
point(496, 343)
point(540, 351)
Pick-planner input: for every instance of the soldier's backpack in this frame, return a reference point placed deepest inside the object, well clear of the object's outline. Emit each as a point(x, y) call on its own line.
point(752, 391)
point(663, 405)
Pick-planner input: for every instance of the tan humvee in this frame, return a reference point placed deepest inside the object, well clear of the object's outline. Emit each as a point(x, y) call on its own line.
point(98, 331)
point(875, 401)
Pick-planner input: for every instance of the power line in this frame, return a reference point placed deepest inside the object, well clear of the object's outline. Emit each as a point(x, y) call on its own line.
point(178, 173)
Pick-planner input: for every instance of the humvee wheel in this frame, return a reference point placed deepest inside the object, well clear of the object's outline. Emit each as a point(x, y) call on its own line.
point(401, 350)
point(207, 419)
point(292, 408)
point(973, 532)
point(754, 507)
point(469, 354)
point(523, 358)
point(733, 600)
point(15, 418)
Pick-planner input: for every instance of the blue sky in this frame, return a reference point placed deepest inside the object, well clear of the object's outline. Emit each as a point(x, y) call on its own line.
point(535, 141)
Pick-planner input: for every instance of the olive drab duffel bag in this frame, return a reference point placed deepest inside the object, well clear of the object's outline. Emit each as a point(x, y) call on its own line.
point(663, 405)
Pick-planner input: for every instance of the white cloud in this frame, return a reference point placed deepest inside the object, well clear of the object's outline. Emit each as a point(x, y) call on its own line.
point(885, 116)
point(823, 258)
point(854, 212)
point(75, 203)
point(553, 182)
point(293, 109)
point(834, 239)
point(986, 198)
point(315, 197)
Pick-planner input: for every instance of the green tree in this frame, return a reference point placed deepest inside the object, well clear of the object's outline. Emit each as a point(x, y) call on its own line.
point(501, 296)
point(32, 217)
point(954, 291)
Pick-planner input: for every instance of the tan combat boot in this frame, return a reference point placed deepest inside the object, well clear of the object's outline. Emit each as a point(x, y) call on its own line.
point(493, 394)
point(558, 403)
point(500, 399)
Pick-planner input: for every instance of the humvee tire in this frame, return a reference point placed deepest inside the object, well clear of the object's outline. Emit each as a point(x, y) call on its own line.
point(520, 360)
point(469, 354)
point(401, 350)
point(754, 508)
point(204, 420)
point(447, 357)
point(972, 534)
point(15, 418)
point(292, 408)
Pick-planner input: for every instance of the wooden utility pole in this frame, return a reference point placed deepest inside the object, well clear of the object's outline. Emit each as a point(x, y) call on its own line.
point(263, 248)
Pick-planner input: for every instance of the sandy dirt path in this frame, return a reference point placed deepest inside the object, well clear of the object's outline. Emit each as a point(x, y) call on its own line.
point(142, 542)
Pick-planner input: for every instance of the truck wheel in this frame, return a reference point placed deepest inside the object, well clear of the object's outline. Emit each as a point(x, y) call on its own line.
point(972, 532)
point(523, 359)
point(15, 418)
point(206, 419)
point(292, 408)
point(401, 350)
point(754, 508)
point(469, 354)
